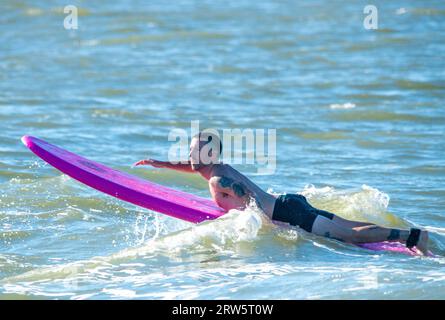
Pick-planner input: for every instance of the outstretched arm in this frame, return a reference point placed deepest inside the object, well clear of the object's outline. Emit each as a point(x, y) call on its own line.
point(184, 167)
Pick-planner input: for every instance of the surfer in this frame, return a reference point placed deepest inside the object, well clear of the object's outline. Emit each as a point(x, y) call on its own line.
point(232, 190)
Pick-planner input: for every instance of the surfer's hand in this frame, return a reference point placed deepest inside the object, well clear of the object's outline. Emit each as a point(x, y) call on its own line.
point(149, 162)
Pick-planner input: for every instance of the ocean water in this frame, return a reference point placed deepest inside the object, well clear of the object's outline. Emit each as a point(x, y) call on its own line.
point(360, 123)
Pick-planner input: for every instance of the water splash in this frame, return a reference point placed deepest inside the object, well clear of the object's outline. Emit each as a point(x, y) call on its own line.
point(365, 204)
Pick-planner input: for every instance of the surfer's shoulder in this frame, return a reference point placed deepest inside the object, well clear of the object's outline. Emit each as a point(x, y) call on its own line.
point(221, 169)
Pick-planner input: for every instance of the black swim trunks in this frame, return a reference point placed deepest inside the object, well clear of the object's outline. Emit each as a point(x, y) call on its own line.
point(295, 210)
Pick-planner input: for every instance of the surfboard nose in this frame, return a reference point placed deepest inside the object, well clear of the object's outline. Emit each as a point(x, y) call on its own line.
point(26, 140)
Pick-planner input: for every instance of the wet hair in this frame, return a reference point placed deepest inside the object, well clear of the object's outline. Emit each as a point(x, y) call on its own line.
point(210, 138)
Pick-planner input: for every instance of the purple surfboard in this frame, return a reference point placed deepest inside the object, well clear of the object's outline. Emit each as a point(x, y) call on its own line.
point(144, 193)
point(389, 246)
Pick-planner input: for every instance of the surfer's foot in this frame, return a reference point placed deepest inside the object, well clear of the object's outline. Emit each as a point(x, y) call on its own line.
point(422, 245)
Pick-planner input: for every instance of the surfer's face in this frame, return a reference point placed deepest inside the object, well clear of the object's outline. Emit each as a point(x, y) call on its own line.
point(202, 153)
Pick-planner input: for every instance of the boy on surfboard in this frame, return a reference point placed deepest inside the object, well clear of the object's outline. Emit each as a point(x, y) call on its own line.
point(232, 190)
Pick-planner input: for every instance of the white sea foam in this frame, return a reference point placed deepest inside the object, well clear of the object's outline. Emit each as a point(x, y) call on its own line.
point(347, 105)
point(401, 11)
point(221, 234)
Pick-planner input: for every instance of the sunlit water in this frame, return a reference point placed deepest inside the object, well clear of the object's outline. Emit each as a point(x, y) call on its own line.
point(359, 116)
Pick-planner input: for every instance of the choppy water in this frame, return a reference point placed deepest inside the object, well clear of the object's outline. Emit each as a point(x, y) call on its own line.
point(360, 122)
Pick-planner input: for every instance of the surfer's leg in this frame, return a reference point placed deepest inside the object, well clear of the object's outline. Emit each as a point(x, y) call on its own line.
point(328, 228)
point(350, 223)
point(423, 242)
point(414, 237)
point(364, 234)
point(374, 233)
point(371, 233)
